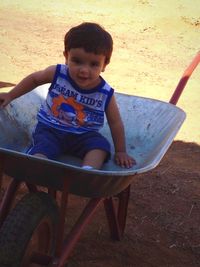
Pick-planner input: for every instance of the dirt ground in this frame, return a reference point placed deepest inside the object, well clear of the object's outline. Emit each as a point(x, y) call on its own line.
point(154, 41)
point(163, 219)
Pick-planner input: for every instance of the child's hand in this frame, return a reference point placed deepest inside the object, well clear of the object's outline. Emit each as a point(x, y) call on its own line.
point(4, 99)
point(124, 160)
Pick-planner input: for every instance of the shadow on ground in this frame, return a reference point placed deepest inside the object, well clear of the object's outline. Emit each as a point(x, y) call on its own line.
point(163, 223)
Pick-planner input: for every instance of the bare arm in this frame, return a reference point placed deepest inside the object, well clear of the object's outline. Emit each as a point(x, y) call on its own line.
point(118, 135)
point(28, 84)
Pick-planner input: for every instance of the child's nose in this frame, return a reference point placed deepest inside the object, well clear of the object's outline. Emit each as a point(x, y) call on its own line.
point(84, 69)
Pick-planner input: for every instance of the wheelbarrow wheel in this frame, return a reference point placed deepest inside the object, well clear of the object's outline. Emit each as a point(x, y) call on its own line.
point(29, 228)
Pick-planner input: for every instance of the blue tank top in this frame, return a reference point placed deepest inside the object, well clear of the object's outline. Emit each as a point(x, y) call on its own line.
point(72, 109)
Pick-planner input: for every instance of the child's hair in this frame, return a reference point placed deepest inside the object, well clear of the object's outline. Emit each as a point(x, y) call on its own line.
point(91, 37)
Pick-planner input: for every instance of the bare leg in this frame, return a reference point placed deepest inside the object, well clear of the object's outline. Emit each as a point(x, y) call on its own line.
point(94, 158)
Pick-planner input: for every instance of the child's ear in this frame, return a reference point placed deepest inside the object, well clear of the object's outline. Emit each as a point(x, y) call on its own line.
point(107, 61)
point(104, 67)
point(65, 54)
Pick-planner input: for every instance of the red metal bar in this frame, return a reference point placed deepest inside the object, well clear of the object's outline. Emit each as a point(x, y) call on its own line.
point(77, 230)
point(183, 81)
point(61, 224)
point(8, 199)
point(52, 192)
point(123, 208)
point(111, 214)
point(116, 216)
point(1, 171)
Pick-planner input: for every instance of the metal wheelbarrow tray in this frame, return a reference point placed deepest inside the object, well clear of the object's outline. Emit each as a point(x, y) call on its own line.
point(150, 126)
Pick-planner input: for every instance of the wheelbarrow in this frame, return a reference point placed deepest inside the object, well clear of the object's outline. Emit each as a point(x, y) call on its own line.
point(32, 230)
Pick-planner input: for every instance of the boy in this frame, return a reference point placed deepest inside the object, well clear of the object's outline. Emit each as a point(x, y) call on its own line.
point(73, 112)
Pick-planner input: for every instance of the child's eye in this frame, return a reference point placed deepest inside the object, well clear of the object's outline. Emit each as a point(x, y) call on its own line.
point(95, 64)
point(76, 60)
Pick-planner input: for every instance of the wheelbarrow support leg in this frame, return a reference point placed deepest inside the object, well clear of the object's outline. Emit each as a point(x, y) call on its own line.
point(117, 217)
point(111, 215)
point(1, 171)
point(77, 230)
point(61, 224)
point(8, 199)
point(123, 208)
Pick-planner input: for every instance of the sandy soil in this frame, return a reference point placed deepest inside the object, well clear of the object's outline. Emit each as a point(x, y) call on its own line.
point(154, 41)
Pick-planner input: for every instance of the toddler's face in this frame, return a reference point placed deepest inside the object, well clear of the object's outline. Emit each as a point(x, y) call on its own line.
point(84, 67)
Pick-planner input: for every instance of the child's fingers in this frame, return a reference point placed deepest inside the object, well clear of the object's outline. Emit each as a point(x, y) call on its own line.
point(124, 160)
point(124, 163)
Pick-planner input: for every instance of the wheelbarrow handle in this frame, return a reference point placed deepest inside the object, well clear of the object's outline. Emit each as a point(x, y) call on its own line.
point(185, 77)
